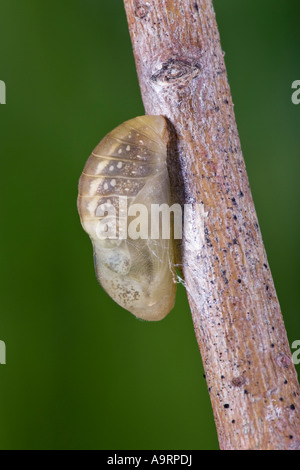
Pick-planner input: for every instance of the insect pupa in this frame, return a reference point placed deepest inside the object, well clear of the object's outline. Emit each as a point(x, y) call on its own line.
point(129, 164)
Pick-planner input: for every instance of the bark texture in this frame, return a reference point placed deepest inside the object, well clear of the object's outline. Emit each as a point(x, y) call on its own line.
point(238, 323)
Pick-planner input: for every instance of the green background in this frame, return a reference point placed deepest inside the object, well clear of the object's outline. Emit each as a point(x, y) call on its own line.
point(81, 372)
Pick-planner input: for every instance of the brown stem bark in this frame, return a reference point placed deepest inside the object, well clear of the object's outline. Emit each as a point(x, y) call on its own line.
point(238, 323)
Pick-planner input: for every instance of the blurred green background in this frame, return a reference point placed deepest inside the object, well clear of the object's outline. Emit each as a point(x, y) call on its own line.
point(81, 372)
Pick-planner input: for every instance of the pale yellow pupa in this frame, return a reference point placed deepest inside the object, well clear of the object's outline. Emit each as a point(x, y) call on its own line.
point(131, 162)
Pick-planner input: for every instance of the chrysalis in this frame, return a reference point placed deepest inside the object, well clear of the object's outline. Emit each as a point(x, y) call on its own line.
point(127, 168)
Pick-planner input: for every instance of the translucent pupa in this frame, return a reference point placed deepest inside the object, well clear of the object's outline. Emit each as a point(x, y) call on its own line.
point(129, 164)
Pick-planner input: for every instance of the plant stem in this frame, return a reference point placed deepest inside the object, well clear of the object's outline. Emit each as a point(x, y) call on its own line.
point(250, 375)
